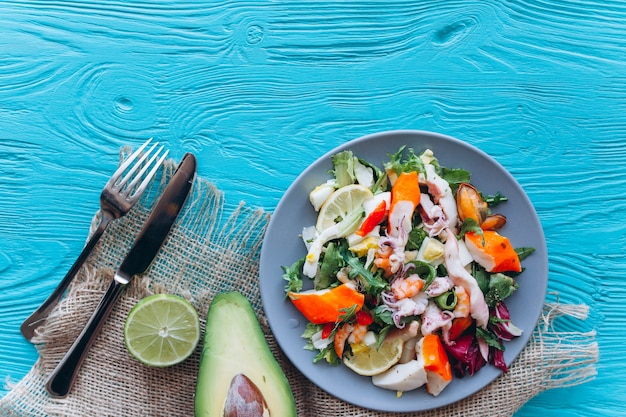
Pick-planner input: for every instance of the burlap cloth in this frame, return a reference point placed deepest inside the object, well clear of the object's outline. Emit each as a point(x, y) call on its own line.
point(210, 251)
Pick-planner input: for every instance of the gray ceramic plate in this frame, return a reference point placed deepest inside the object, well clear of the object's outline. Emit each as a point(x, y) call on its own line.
point(283, 246)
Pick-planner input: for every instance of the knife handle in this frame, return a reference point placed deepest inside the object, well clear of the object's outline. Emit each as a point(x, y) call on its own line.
point(38, 317)
point(60, 381)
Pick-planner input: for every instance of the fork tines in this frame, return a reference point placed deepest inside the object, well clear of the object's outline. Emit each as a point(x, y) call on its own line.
point(132, 190)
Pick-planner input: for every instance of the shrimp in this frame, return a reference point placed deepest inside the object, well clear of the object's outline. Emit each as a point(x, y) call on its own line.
point(390, 256)
point(358, 333)
point(407, 287)
point(351, 333)
point(341, 336)
point(389, 260)
point(382, 257)
point(462, 307)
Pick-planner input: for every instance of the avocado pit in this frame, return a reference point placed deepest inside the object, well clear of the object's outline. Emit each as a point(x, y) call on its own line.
point(244, 399)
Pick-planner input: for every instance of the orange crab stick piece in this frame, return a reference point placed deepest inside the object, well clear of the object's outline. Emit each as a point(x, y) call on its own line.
point(495, 254)
point(405, 197)
point(436, 364)
point(327, 305)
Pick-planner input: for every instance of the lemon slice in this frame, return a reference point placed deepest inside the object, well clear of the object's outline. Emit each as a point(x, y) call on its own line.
point(370, 361)
point(162, 330)
point(341, 203)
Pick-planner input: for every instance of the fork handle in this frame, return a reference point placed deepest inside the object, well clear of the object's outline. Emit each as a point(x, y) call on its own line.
point(60, 381)
point(38, 316)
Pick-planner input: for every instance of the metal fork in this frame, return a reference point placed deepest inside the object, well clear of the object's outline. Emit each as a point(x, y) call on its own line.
point(117, 198)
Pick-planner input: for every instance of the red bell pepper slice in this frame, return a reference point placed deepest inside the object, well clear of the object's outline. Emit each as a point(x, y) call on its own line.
point(373, 219)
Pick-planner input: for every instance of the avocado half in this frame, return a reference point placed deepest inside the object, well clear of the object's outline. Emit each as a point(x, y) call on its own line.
point(238, 374)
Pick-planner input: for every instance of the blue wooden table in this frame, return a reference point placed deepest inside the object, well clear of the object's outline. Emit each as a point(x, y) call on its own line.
point(258, 90)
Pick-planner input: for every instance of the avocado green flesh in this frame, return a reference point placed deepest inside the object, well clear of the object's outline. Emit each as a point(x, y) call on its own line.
point(234, 344)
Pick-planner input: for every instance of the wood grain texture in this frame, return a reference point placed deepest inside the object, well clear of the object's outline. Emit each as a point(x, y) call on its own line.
point(258, 90)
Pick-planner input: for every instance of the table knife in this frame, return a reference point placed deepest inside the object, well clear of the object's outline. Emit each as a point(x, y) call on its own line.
point(139, 258)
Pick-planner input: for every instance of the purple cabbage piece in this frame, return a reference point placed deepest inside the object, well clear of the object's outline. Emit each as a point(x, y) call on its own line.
point(496, 358)
point(504, 328)
point(465, 355)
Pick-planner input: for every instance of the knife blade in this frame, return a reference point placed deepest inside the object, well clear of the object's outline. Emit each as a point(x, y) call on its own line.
point(139, 258)
point(157, 226)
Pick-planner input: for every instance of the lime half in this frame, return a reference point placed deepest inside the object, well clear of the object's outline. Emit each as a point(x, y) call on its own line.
point(162, 330)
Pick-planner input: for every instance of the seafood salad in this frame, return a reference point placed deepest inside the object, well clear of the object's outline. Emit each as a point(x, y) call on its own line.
point(410, 271)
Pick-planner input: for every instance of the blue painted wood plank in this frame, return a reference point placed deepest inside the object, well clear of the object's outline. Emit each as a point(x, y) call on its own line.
point(260, 89)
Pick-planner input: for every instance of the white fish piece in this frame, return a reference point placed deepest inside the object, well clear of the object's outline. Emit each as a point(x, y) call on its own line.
point(409, 352)
point(320, 194)
point(402, 376)
point(370, 339)
point(319, 342)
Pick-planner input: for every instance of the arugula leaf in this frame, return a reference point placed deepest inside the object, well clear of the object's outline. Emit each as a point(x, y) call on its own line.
point(471, 225)
point(293, 277)
point(383, 314)
point(482, 277)
point(327, 354)
point(373, 283)
point(382, 334)
point(311, 329)
point(524, 252)
point(398, 165)
point(330, 264)
point(489, 337)
point(498, 320)
point(455, 177)
point(425, 271)
point(500, 287)
point(416, 237)
point(347, 314)
point(395, 160)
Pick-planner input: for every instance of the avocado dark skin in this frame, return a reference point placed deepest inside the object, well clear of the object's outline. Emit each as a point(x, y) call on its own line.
point(238, 374)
